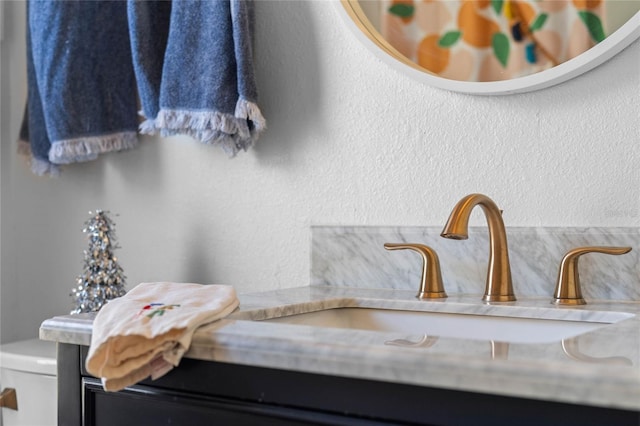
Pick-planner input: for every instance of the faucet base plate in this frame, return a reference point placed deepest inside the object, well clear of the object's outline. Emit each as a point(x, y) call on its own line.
point(569, 302)
point(431, 295)
point(499, 298)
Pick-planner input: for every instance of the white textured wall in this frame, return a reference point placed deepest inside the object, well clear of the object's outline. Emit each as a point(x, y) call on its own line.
point(350, 141)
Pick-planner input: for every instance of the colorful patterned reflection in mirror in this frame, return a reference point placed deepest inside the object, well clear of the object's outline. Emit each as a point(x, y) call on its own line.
point(492, 40)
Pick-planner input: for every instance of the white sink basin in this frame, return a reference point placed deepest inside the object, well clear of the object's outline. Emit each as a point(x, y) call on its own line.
point(466, 326)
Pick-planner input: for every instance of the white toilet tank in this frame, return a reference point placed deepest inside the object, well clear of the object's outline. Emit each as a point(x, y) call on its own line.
point(29, 367)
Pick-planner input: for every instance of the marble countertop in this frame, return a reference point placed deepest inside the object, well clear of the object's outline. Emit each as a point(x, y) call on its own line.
point(600, 367)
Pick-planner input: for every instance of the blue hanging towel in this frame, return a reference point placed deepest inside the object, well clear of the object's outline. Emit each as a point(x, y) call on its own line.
point(191, 62)
point(81, 86)
point(194, 65)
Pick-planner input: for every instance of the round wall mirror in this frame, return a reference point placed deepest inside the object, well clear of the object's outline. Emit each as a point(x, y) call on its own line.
point(493, 47)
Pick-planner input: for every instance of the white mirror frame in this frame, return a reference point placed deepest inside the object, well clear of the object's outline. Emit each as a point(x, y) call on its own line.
point(586, 61)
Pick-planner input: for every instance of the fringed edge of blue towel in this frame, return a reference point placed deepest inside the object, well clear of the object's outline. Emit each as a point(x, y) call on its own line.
point(75, 150)
point(38, 166)
point(250, 111)
point(231, 132)
point(88, 148)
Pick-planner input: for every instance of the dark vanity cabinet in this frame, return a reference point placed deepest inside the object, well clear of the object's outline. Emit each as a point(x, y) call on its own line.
point(214, 393)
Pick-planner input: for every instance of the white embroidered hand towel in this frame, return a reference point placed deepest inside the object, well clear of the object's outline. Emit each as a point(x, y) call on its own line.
point(146, 332)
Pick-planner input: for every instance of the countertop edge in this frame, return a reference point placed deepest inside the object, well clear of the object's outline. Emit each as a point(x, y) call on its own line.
point(340, 353)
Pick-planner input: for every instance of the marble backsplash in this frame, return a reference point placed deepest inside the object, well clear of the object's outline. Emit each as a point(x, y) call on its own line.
point(355, 257)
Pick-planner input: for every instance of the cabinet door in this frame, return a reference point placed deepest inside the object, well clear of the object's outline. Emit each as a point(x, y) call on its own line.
point(144, 405)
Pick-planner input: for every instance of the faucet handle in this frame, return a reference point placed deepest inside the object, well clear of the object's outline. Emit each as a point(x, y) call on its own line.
point(568, 290)
point(431, 283)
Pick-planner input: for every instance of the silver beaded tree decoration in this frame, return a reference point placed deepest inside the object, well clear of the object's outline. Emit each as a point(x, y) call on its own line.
point(102, 278)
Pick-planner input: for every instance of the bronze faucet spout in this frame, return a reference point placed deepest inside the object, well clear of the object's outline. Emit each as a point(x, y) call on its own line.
point(499, 287)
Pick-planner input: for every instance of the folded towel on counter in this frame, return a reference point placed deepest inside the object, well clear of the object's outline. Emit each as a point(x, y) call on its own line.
point(81, 85)
point(194, 64)
point(146, 332)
